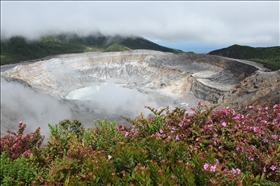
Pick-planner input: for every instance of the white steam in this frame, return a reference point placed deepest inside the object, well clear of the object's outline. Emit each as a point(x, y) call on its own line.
point(33, 108)
point(114, 98)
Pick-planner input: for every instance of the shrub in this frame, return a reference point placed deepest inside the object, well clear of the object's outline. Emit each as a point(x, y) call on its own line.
point(173, 147)
point(16, 144)
point(17, 172)
point(103, 135)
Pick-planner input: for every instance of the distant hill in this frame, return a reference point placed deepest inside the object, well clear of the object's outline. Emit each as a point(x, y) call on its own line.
point(18, 48)
point(269, 56)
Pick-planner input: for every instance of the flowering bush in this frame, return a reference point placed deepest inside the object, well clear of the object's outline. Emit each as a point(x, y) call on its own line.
point(16, 144)
point(173, 147)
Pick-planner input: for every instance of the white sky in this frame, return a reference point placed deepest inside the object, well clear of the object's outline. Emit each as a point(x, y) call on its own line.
point(253, 23)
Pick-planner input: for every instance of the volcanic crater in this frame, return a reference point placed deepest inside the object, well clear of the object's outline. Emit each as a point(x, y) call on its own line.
point(92, 85)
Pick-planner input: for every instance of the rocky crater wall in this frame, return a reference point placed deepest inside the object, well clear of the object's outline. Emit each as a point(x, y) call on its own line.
point(176, 80)
point(214, 85)
point(260, 90)
point(207, 77)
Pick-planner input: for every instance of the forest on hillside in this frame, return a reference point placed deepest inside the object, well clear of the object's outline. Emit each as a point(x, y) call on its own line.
point(18, 48)
point(268, 56)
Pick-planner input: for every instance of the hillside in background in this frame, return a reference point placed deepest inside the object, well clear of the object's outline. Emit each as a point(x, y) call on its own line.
point(268, 56)
point(18, 48)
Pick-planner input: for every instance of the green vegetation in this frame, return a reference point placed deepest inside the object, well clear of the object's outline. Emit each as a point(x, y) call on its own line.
point(191, 53)
point(19, 48)
point(115, 47)
point(172, 147)
point(268, 56)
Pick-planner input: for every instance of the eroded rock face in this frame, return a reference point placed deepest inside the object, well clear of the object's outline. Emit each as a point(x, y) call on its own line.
point(260, 90)
point(179, 80)
point(142, 69)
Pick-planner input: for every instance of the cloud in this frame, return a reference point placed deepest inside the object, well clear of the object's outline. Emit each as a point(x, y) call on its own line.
point(209, 22)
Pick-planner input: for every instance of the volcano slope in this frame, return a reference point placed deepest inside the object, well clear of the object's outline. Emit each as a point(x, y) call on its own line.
point(93, 85)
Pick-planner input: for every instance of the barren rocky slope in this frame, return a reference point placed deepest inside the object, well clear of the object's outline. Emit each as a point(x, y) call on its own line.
point(164, 78)
point(261, 89)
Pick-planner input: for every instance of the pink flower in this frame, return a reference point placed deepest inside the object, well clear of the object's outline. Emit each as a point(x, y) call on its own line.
point(20, 122)
point(181, 124)
point(126, 134)
point(213, 168)
point(27, 153)
point(250, 158)
point(233, 171)
point(215, 143)
point(224, 124)
point(14, 146)
point(206, 166)
point(265, 140)
point(255, 129)
point(177, 138)
point(184, 118)
point(25, 136)
point(161, 131)
point(266, 108)
point(273, 167)
point(274, 136)
point(237, 117)
point(217, 161)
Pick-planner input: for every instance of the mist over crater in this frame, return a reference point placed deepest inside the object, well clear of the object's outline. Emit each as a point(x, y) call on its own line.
point(108, 98)
point(87, 86)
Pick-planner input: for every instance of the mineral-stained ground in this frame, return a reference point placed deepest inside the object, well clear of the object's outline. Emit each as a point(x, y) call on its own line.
point(93, 85)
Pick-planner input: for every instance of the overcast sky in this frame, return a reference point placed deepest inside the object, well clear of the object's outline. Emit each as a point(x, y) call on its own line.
point(169, 23)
